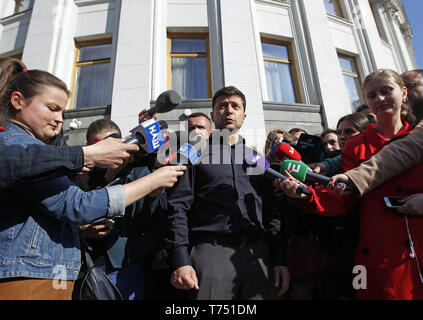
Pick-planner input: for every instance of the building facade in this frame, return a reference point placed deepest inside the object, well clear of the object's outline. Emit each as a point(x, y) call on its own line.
point(299, 62)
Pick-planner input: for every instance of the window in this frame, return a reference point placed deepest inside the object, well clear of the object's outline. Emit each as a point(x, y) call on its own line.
point(92, 74)
point(188, 66)
point(351, 79)
point(378, 20)
point(23, 5)
point(279, 72)
point(333, 8)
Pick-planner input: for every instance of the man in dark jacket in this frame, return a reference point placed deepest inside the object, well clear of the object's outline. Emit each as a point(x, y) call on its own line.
point(223, 234)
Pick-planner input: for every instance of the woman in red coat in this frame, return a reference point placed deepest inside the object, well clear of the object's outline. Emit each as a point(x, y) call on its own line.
point(392, 266)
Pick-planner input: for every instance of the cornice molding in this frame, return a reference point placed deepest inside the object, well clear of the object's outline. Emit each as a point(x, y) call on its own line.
point(396, 10)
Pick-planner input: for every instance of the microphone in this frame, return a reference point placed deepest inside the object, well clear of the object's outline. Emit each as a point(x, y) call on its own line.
point(147, 135)
point(188, 155)
point(166, 101)
point(260, 163)
point(283, 150)
point(300, 171)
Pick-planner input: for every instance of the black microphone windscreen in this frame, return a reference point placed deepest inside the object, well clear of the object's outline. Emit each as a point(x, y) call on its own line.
point(167, 101)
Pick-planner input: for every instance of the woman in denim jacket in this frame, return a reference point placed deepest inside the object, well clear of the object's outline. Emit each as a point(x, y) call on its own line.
point(39, 222)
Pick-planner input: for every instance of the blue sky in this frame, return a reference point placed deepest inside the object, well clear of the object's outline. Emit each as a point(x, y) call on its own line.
point(414, 10)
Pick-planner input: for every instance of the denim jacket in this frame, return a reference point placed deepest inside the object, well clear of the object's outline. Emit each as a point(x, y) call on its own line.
point(39, 221)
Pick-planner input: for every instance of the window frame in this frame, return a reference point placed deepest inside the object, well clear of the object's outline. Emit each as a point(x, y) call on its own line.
point(355, 74)
point(338, 9)
point(170, 55)
point(17, 5)
point(290, 62)
point(76, 65)
point(383, 34)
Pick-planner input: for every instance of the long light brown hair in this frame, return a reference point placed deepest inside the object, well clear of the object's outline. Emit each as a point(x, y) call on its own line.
point(14, 76)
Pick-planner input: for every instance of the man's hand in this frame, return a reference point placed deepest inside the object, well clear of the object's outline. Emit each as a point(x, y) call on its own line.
point(159, 261)
point(94, 230)
point(281, 278)
point(413, 205)
point(144, 116)
point(339, 187)
point(318, 167)
point(107, 153)
point(184, 278)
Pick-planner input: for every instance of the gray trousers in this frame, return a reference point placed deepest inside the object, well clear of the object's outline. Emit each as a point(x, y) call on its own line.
point(231, 272)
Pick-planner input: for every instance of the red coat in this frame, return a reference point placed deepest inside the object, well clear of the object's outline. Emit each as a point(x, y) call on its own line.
point(383, 241)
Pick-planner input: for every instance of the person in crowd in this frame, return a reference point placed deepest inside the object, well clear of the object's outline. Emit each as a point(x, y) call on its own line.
point(158, 287)
point(392, 160)
point(413, 80)
point(364, 109)
point(390, 252)
point(328, 243)
point(225, 217)
point(39, 237)
point(273, 138)
point(296, 133)
point(121, 250)
point(330, 140)
point(355, 124)
point(397, 156)
point(348, 126)
point(341, 231)
point(199, 123)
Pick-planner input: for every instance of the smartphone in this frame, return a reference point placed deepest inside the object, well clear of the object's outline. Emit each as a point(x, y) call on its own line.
point(108, 222)
point(393, 202)
point(274, 137)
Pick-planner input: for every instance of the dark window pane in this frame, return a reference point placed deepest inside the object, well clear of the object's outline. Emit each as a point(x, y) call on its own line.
point(188, 46)
point(89, 53)
point(189, 77)
point(280, 85)
point(92, 86)
point(275, 51)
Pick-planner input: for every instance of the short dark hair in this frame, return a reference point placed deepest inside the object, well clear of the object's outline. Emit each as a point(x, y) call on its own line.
point(229, 91)
point(199, 114)
point(327, 131)
point(419, 71)
point(101, 125)
point(359, 120)
point(362, 107)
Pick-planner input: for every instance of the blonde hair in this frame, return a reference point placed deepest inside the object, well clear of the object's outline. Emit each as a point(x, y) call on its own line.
point(384, 73)
point(406, 111)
